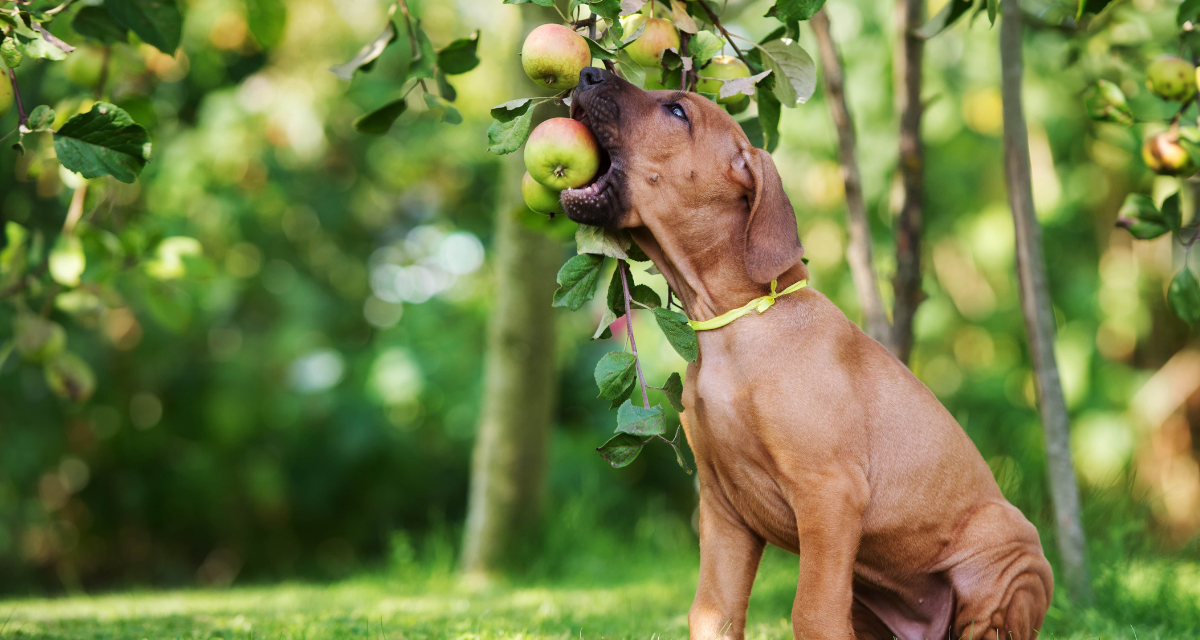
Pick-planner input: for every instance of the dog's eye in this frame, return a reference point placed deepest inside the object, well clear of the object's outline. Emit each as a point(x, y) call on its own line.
point(677, 111)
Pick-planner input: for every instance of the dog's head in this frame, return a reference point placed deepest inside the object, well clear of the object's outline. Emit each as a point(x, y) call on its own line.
point(677, 163)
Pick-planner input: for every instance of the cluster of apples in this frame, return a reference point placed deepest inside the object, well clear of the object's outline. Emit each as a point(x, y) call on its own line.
point(562, 153)
point(1170, 78)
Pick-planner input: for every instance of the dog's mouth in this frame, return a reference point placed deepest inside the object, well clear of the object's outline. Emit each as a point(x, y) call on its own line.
point(598, 202)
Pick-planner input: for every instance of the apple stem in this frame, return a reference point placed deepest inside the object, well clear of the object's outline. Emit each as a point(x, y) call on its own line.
point(629, 330)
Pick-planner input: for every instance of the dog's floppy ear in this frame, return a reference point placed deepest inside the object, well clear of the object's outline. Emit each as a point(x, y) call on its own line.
point(772, 241)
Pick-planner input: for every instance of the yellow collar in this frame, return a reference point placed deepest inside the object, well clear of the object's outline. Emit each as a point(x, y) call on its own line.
point(758, 304)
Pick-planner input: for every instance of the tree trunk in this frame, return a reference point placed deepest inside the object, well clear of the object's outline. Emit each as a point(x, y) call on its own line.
point(1039, 312)
point(507, 466)
point(910, 50)
point(858, 251)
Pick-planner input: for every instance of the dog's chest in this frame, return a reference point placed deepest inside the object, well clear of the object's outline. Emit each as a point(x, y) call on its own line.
point(742, 469)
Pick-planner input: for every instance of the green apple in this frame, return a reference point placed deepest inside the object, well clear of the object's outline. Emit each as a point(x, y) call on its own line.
point(561, 153)
point(69, 377)
point(36, 338)
point(719, 69)
point(1171, 78)
point(553, 56)
point(659, 35)
point(538, 197)
point(6, 96)
point(1164, 155)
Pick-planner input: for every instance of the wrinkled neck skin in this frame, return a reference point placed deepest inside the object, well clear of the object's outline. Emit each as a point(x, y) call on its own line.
point(704, 262)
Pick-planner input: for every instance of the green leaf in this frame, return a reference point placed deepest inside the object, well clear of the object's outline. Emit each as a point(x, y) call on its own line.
point(703, 46)
point(681, 336)
point(540, 3)
point(13, 255)
point(440, 105)
point(640, 421)
point(267, 20)
point(599, 52)
point(422, 65)
point(621, 449)
point(614, 372)
point(754, 132)
point(601, 241)
point(1189, 11)
point(1143, 220)
point(103, 141)
point(608, 9)
point(1171, 212)
point(511, 128)
point(445, 88)
point(1091, 6)
point(743, 86)
point(615, 300)
point(993, 7)
point(40, 118)
point(366, 56)
point(646, 296)
point(602, 330)
point(1106, 102)
point(673, 389)
point(36, 46)
point(953, 10)
point(37, 339)
point(96, 23)
point(790, 62)
point(577, 281)
point(511, 110)
point(636, 254)
point(10, 53)
point(625, 395)
point(677, 444)
point(379, 121)
point(459, 56)
point(787, 10)
point(768, 119)
point(67, 261)
point(1184, 296)
point(156, 22)
point(631, 71)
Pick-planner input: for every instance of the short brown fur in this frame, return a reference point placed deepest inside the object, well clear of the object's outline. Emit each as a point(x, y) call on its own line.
point(807, 433)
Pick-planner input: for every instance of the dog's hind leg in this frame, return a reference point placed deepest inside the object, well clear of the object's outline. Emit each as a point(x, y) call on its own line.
point(729, 557)
point(1002, 581)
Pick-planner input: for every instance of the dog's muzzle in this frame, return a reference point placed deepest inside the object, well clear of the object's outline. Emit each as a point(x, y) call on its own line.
point(596, 104)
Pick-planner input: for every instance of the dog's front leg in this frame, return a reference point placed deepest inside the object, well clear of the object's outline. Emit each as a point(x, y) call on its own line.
point(829, 523)
point(729, 557)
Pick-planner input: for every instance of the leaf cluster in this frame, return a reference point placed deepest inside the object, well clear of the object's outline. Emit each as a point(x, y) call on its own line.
point(419, 62)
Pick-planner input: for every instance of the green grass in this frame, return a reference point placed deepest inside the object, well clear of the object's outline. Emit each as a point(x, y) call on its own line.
point(646, 596)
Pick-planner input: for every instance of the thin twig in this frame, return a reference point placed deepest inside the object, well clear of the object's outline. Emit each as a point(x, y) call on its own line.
point(906, 284)
point(22, 117)
point(728, 36)
point(858, 251)
point(629, 329)
point(103, 72)
point(75, 211)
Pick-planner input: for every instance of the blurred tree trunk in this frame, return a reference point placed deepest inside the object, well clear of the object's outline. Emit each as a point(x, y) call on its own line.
point(1039, 312)
point(858, 250)
point(906, 285)
point(507, 466)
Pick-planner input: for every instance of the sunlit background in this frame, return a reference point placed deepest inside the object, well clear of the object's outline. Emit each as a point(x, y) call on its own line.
point(290, 388)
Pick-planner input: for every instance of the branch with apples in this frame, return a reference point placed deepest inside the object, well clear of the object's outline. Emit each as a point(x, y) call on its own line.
point(655, 46)
point(1171, 146)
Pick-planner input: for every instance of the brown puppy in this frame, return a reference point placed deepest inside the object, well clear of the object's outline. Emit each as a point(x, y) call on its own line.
point(807, 434)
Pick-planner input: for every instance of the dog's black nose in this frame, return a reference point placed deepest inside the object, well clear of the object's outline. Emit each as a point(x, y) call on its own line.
point(591, 77)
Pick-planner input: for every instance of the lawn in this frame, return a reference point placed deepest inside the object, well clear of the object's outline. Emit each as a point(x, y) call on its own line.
point(1143, 600)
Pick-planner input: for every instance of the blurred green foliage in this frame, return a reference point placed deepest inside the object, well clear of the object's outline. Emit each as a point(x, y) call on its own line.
point(286, 318)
